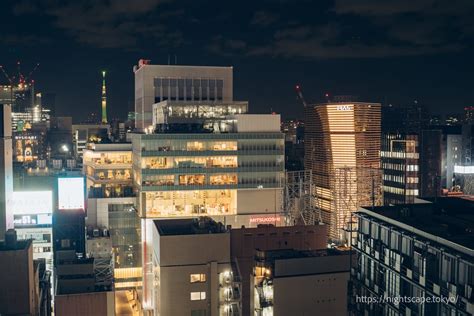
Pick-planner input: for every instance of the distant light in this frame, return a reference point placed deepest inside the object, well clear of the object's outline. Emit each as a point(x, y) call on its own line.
point(103, 73)
point(65, 148)
point(327, 95)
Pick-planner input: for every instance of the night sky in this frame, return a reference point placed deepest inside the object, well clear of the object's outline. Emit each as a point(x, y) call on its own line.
point(386, 51)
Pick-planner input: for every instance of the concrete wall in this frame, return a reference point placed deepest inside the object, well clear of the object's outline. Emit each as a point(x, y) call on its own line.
point(90, 304)
point(322, 294)
point(253, 201)
point(176, 288)
point(17, 282)
point(176, 258)
point(258, 123)
point(192, 249)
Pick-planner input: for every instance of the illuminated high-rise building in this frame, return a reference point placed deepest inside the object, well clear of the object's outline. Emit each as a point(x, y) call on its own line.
point(104, 100)
point(342, 148)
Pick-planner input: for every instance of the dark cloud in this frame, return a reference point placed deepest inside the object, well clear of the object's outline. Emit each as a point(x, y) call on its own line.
point(107, 23)
point(368, 29)
point(264, 18)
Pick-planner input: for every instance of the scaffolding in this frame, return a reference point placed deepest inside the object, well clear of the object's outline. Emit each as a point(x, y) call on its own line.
point(350, 188)
point(467, 183)
point(103, 270)
point(298, 202)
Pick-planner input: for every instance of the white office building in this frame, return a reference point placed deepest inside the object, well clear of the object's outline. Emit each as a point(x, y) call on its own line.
point(156, 83)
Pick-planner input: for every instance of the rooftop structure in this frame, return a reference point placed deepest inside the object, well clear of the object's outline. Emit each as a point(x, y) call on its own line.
point(291, 281)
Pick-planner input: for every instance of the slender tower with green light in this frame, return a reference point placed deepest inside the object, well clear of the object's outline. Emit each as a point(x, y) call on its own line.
point(104, 100)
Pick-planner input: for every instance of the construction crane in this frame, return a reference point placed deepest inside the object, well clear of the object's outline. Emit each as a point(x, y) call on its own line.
point(300, 95)
point(21, 79)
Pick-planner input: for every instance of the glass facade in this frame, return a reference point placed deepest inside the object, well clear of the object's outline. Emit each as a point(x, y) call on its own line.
point(201, 89)
point(189, 174)
point(124, 229)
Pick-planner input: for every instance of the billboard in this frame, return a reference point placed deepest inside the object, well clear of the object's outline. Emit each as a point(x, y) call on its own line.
point(32, 202)
point(71, 193)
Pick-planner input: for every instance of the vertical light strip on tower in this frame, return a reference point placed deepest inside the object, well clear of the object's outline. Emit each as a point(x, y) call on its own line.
point(104, 100)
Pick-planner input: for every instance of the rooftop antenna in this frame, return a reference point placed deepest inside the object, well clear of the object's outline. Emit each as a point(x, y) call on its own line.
point(175, 59)
point(168, 59)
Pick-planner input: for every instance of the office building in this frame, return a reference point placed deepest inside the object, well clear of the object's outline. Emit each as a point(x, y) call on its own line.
point(234, 174)
point(291, 282)
point(30, 146)
point(294, 144)
point(33, 219)
point(469, 114)
point(245, 241)
point(156, 83)
point(88, 133)
point(452, 157)
point(6, 169)
point(342, 148)
point(69, 215)
point(111, 205)
point(108, 169)
point(400, 164)
point(18, 290)
point(59, 138)
point(191, 271)
point(416, 250)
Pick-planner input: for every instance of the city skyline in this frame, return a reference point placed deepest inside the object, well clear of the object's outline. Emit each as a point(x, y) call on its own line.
point(390, 54)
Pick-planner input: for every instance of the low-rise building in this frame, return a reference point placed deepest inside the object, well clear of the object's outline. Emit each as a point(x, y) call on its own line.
point(245, 241)
point(79, 290)
point(192, 273)
point(292, 282)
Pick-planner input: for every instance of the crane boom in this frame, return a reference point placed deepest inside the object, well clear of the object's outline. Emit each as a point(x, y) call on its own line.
point(299, 93)
point(6, 75)
point(31, 72)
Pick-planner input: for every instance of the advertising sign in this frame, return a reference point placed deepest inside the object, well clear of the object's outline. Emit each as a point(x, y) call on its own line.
point(71, 193)
point(32, 202)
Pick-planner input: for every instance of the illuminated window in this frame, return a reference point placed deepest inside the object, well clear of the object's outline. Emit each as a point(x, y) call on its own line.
point(196, 278)
point(195, 146)
point(192, 179)
point(222, 179)
point(198, 296)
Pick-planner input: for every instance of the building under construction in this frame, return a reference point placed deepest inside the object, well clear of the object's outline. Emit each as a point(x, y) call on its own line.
point(342, 148)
